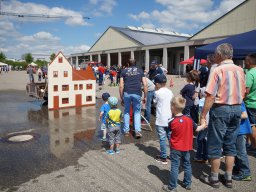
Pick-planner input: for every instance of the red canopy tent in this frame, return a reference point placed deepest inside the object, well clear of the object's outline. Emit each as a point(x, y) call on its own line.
point(191, 61)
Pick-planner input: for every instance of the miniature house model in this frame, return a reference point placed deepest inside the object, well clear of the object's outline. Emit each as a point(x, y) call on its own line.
point(68, 87)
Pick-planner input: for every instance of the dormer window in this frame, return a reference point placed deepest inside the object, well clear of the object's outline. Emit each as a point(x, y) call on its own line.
point(60, 59)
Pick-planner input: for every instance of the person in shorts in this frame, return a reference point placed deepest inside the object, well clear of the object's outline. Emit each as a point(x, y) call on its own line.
point(224, 94)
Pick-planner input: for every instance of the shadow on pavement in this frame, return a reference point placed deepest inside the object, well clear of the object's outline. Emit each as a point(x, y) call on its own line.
point(149, 150)
point(163, 175)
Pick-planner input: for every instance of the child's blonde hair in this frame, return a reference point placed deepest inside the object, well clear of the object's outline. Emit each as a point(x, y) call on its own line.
point(178, 102)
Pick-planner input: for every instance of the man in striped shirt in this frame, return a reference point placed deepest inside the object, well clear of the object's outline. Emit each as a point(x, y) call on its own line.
point(225, 92)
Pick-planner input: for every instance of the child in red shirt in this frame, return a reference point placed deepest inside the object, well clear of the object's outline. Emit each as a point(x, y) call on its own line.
point(181, 143)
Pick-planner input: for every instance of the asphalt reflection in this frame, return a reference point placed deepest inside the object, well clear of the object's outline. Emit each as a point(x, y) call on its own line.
point(63, 136)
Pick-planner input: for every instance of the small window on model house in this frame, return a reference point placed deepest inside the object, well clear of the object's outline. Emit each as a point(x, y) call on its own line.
point(65, 73)
point(65, 87)
point(60, 59)
point(55, 88)
point(88, 98)
point(55, 73)
point(80, 86)
point(89, 86)
point(75, 87)
point(65, 100)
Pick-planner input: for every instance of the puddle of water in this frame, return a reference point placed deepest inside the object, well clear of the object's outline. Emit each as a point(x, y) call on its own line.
point(20, 138)
point(64, 136)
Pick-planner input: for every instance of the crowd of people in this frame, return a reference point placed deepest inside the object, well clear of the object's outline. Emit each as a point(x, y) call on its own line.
point(5, 68)
point(218, 103)
point(101, 72)
point(41, 73)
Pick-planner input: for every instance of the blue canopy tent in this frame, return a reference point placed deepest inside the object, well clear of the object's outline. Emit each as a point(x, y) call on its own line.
point(243, 44)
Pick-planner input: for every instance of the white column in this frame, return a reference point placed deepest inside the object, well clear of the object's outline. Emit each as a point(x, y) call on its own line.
point(165, 58)
point(99, 58)
point(90, 57)
point(108, 60)
point(147, 60)
point(186, 56)
point(186, 52)
point(132, 54)
point(120, 59)
point(76, 62)
point(71, 61)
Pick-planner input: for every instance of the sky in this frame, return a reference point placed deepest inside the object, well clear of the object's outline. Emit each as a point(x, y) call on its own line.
point(76, 34)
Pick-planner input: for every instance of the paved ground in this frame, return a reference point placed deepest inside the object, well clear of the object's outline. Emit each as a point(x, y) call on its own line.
point(79, 163)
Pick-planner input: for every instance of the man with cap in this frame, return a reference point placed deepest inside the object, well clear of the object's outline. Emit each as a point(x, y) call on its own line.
point(130, 94)
point(154, 71)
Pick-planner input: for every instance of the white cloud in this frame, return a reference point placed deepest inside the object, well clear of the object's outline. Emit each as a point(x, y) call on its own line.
point(94, 2)
point(75, 49)
point(7, 29)
point(45, 36)
point(41, 42)
point(14, 43)
point(40, 36)
point(3, 50)
point(148, 25)
point(107, 6)
point(103, 7)
point(14, 6)
point(142, 15)
point(185, 14)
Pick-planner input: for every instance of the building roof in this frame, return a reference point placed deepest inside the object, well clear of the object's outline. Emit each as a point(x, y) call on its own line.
point(151, 36)
point(83, 75)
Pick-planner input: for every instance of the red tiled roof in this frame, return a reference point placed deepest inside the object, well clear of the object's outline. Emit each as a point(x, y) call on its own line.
point(83, 75)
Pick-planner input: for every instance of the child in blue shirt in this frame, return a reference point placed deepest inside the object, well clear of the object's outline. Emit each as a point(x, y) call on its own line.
point(103, 115)
point(241, 170)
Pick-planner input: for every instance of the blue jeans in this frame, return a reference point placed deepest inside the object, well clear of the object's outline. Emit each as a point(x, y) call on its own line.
point(223, 128)
point(176, 156)
point(31, 78)
point(148, 105)
point(201, 140)
point(241, 160)
point(135, 101)
point(163, 134)
point(100, 78)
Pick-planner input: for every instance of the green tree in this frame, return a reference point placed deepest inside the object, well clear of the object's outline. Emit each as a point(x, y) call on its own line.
point(2, 56)
point(53, 55)
point(29, 58)
point(40, 63)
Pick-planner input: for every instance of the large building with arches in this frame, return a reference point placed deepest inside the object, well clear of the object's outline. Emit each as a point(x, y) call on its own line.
point(117, 45)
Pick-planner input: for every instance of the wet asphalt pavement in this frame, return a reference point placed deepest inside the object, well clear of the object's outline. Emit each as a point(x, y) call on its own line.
point(60, 138)
point(66, 154)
